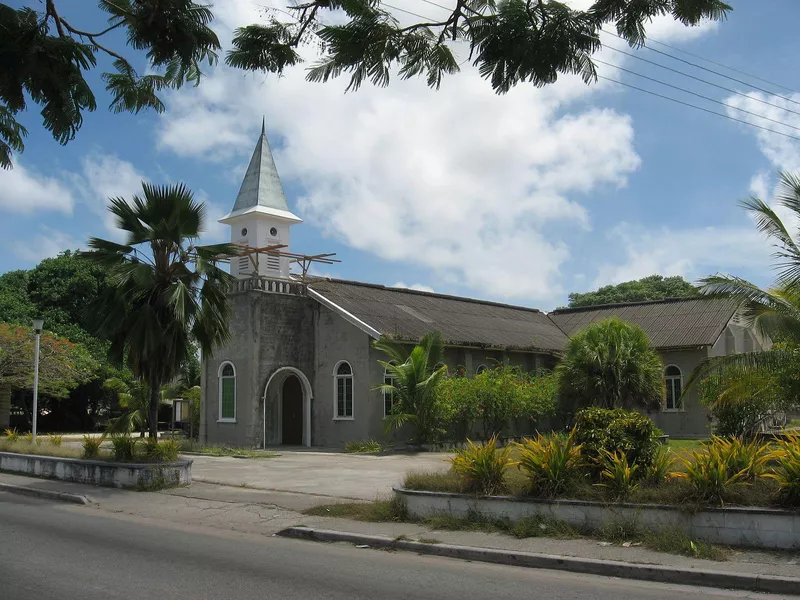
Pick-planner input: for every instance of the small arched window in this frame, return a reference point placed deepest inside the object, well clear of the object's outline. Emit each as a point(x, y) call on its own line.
point(481, 369)
point(388, 397)
point(674, 382)
point(227, 392)
point(343, 390)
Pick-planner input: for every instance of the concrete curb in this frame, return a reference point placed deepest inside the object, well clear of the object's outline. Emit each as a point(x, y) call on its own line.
point(608, 568)
point(47, 494)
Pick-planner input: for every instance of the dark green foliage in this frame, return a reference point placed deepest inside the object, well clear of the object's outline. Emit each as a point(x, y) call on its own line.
point(654, 287)
point(600, 430)
point(45, 58)
point(610, 364)
point(510, 41)
point(168, 294)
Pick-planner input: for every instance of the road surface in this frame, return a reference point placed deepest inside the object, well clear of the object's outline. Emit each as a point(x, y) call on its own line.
point(51, 550)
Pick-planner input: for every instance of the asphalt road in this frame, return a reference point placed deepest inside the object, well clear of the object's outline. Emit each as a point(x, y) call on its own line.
point(50, 550)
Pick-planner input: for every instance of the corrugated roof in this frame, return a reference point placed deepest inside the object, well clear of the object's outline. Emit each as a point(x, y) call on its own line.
point(410, 314)
point(671, 323)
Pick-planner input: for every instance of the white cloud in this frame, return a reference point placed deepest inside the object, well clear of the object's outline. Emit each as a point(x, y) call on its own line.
point(48, 243)
point(105, 176)
point(27, 191)
point(692, 253)
point(461, 181)
point(414, 286)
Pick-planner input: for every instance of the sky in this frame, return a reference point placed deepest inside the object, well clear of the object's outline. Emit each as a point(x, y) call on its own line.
point(519, 198)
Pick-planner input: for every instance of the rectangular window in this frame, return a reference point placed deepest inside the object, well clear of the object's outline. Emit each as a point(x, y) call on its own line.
point(388, 397)
point(344, 397)
point(673, 394)
point(273, 261)
point(228, 398)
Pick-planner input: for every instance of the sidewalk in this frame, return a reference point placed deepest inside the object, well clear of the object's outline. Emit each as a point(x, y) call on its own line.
point(268, 512)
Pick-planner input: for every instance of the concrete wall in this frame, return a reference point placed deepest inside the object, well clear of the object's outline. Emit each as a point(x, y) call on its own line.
point(337, 340)
point(750, 527)
point(96, 472)
point(691, 421)
point(268, 331)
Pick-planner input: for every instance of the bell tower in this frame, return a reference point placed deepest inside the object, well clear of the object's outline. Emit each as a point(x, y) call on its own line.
point(260, 216)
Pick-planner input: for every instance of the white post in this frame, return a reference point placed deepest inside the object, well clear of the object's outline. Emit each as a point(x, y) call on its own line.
point(36, 385)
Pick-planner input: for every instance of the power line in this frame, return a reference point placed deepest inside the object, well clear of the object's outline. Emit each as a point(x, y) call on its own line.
point(413, 14)
point(749, 112)
point(689, 104)
point(755, 87)
point(719, 64)
point(706, 81)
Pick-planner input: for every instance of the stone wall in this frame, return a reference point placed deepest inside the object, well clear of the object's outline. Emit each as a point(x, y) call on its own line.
point(750, 527)
point(97, 472)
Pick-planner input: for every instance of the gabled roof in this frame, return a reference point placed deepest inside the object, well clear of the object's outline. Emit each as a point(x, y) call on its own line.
point(671, 323)
point(261, 186)
point(409, 314)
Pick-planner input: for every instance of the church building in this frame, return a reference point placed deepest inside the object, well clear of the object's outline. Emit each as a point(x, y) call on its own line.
point(300, 368)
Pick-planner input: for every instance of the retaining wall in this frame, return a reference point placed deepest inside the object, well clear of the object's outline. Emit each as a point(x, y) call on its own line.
point(98, 472)
point(736, 526)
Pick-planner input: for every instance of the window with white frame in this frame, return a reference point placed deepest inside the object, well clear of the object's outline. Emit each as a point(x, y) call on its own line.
point(674, 382)
point(343, 390)
point(388, 397)
point(227, 392)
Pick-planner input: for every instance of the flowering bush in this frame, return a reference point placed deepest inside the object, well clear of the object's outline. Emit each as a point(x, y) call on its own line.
point(494, 397)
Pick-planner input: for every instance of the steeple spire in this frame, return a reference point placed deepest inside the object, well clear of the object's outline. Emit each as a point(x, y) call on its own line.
point(261, 185)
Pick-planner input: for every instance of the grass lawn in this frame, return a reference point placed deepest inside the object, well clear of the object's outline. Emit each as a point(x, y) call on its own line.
point(677, 444)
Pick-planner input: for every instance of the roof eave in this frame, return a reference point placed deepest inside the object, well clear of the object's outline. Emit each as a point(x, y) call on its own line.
point(275, 213)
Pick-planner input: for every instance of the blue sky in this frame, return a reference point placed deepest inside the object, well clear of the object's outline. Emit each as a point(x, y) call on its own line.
point(520, 198)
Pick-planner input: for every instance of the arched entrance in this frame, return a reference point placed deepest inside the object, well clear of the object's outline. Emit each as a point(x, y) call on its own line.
point(287, 408)
point(292, 412)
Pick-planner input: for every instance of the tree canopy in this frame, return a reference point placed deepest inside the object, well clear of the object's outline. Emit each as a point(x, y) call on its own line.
point(45, 58)
point(610, 364)
point(654, 287)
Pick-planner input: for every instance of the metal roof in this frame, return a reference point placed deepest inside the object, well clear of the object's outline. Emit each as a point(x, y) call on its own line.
point(671, 323)
point(409, 314)
point(261, 185)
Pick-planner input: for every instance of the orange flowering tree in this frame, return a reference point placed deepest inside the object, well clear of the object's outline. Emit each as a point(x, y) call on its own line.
point(62, 365)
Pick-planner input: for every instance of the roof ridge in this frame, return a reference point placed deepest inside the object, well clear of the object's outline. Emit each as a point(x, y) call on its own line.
point(559, 311)
point(430, 294)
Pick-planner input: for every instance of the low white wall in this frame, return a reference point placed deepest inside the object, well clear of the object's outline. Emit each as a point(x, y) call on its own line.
point(98, 472)
point(752, 527)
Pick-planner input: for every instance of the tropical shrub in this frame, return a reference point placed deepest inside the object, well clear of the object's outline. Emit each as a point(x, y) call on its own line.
point(600, 430)
point(11, 434)
point(366, 446)
point(166, 451)
point(749, 458)
point(659, 469)
point(55, 440)
point(787, 475)
point(496, 396)
point(483, 466)
point(710, 473)
point(610, 364)
point(618, 475)
point(743, 399)
point(91, 446)
point(553, 463)
point(414, 378)
point(123, 447)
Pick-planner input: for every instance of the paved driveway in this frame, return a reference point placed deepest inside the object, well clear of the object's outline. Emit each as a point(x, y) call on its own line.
point(327, 474)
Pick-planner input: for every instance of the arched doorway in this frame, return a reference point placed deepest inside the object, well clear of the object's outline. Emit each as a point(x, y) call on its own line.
point(292, 412)
point(286, 402)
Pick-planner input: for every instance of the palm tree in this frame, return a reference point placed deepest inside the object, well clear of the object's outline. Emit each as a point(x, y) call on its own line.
point(168, 293)
point(774, 312)
point(610, 364)
point(414, 377)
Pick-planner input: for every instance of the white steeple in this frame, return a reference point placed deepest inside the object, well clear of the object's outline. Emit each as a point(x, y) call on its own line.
point(260, 216)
